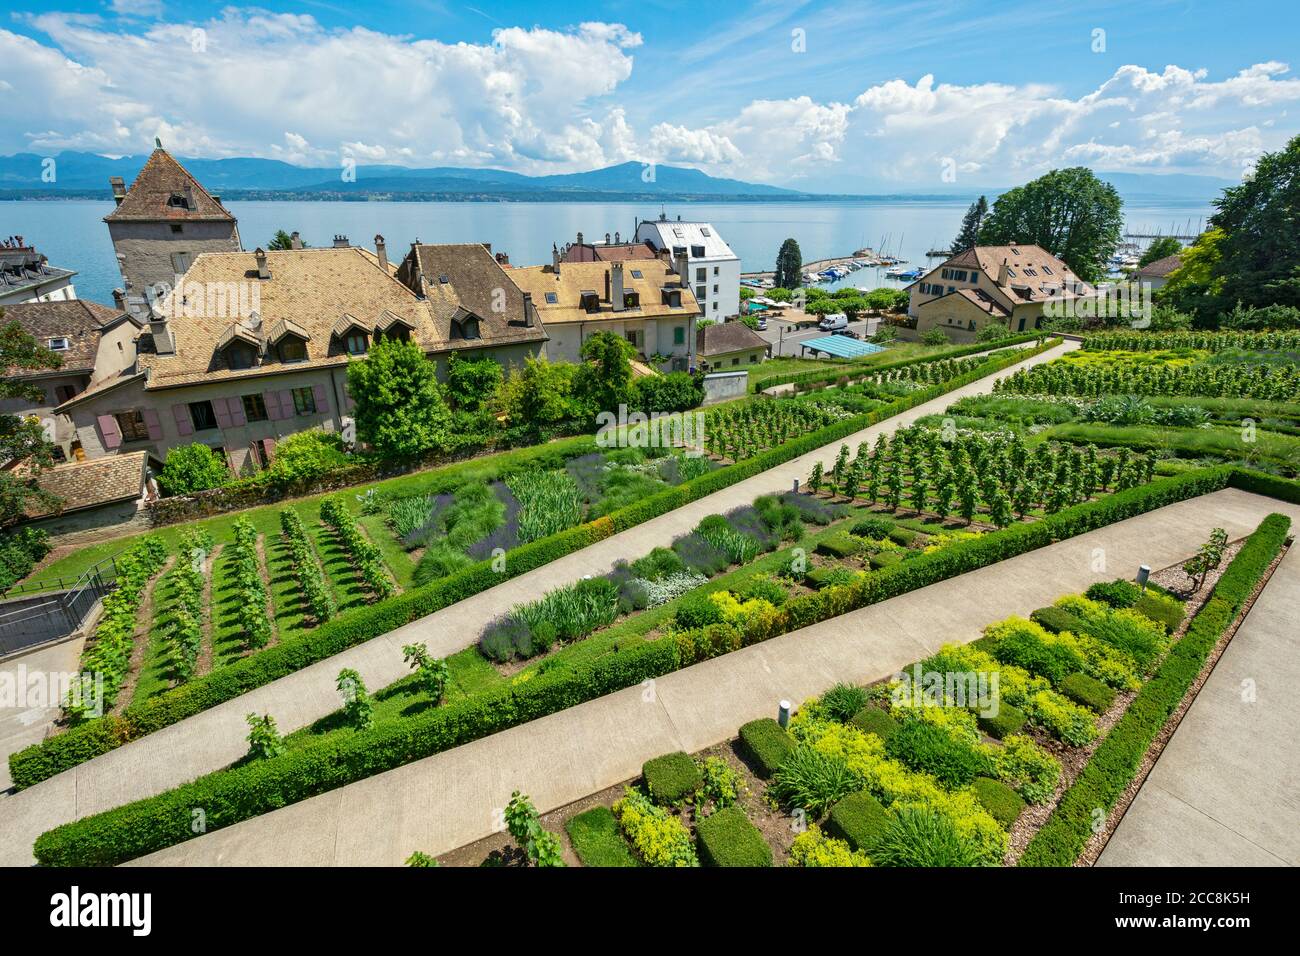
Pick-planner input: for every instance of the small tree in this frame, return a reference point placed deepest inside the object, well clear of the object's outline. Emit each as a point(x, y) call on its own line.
point(358, 709)
point(935, 336)
point(944, 491)
point(1209, 557)
point(967, 497)
point(264, 740)
point(525, 825)
point(433, 671)
point(789, 266)
point(191, 468)
point(816, 479)
point(841, 462)
point(894, 485)
point(968, 235)
point(399, 410)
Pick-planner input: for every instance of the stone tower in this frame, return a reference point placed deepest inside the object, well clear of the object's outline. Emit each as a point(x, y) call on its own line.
point(161, 224)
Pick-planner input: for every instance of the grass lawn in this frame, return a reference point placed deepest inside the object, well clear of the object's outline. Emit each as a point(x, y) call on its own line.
point(156, 669)
point(597, 840)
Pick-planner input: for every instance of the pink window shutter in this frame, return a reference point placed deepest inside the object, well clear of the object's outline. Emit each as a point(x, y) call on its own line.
point(286, 403)
point(236, 408)
point(109, 432)
point(152, 422)
point(272, 402)
point(222, 410)
point(184, 424)
point(322, 399)
point(268, 446)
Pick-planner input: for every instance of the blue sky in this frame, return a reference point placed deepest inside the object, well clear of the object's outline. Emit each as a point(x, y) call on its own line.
point(832, 96)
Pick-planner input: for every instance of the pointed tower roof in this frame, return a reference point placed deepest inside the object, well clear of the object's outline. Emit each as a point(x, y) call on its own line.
point(166, 192)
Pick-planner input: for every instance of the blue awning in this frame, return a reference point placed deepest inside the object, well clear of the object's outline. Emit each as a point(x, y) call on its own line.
point(841, 346)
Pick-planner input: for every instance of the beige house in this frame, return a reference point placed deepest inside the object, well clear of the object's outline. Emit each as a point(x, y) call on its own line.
point(1156, 274)
point(648, 302)
point(253, 346)
point(162, 224)
point(94, 343)
point(729, 345)
point(1013, 286)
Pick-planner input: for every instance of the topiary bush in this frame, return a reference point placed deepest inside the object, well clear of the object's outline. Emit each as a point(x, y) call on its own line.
point(1118, 594)
point(596, 839)
point(1056, 619)
point(1088, 691)
point(671, 778)
point(1008, 720)
point(765, 744)
point(903, 536)
point(873, 720)
point(885, 559)
point(727, 838)
point(859, 819)
point(1002, 803)
point(839, 545)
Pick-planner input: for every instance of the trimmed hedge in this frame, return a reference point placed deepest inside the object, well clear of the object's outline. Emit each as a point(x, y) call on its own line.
point(765, 744)
point(597, 839)
point(1161, 609)
point(1114, 763)
point(1088, 691)
point(842, 545)
point(884, 559)
point(873, 720)
point(672, 778)
point(1057, 619)
point(1002, 803)
point(727, 838)
point(1008, 720)
point(61, 752)
point(901, 535)
point(1118, 594)
point(859, 819)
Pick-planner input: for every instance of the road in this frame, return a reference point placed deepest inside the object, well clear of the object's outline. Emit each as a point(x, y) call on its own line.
point(785, 340)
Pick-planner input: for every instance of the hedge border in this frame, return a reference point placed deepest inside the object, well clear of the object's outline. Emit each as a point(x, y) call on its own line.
point(1117, 759)
point(64, 751)
point(230, 796)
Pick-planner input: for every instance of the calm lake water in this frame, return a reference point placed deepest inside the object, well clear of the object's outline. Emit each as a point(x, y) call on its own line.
point(72, 233)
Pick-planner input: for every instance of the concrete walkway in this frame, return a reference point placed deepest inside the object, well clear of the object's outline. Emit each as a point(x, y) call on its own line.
point(450, 799)
point(1226, 789)
point(216, 737)
point(28, 717)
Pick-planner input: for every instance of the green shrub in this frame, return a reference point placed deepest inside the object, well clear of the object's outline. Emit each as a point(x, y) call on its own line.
point(727, 838)
point(1037, 651)
point(1056, 620)
point(901, 535)
point(1088, 691)
point(1118, 594)
point(821, 578)
point(697, 610)
point(873, 720)
point(839, 545)
point(812, 780)
point(931, 749)
point(597, 840)
point(192, 468)
point(306, 457)
point(765, 744)
point(874, 527)
point(658, 837)
point(1008, 720)
point(1002, 803)
point(919, 836)
point(765, 588)
point(842, 701)
point(859, 819)
point(671, 778)
point(885, 559)
point(1162, 609)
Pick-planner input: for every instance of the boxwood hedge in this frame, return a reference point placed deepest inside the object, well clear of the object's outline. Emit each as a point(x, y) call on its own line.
point(727, 838)
point(765, 744)
point(1116, 760)
point(61, 752)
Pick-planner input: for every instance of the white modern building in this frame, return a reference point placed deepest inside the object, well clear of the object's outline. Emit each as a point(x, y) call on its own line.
point(714, 269)
point(27, 276)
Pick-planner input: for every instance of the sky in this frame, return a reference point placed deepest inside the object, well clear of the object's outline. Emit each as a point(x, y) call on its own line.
point(825, 96)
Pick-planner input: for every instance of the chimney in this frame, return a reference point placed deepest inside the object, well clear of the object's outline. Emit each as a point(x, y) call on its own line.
point(607, 295)
point(381, 251)
point(606, 238)
point(340, 242)
point(616, 293)
point(119, 300)
point(503, 259)
point(417, 270)
point(295, 241)
point(579, 238)
point(163, 343)
point(530, 310)
point(262, 271)
point(119, 188)
point(616, 242)
point(216, 199)
point(683, 269)
point(1003, 273)
point(555, 258)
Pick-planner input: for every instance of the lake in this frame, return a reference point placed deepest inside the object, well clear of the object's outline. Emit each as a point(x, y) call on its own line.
point(72, 233)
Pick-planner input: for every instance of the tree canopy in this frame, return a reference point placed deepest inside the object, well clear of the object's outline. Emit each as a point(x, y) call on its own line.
point(1069, 212)
point(604, 380)
point(22, 438)
point(1161, 248)
point(789, 266)
point(400, 411)
point(282, 240)
point(969, 234)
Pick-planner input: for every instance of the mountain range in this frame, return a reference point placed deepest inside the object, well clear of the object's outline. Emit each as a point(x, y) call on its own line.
point(86, 175)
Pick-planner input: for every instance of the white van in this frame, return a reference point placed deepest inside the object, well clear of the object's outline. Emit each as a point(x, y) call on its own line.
point(833, 321)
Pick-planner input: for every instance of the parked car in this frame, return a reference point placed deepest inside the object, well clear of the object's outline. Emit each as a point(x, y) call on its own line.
point(833, 321)
point(849, 332)
point(762, 323)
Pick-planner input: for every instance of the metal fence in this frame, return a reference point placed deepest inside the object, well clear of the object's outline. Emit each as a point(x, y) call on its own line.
point(52, 610)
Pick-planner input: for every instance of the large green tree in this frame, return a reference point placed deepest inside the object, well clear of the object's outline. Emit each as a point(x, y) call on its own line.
point(1161, 248)
point(1260, 219)
point(1069, 212)
point(604, 380)
point(282, 240)
point(400, 411)
point(789, 266)
point(22, 438)
point(969, 234)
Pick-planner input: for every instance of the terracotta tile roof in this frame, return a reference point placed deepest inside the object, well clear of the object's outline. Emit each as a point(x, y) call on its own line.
point(78, 320)
point(1034, 275)
point(982, 299)
point(1160, 267)
point(165, 190)
point(309, 293)
point(727, 337)
point(612, 252)
point(94, 482)
point(575, 278)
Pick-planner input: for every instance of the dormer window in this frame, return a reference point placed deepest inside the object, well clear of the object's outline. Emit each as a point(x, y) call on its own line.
point(290, 341)
point(357, 342)
point(631, 300)
point(59, 343)
point(177, 201)
point(292, 349)
point(590, 302)
point(240, 355)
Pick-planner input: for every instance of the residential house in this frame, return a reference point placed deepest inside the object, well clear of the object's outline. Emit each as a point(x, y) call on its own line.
point(1156, 274)
point(159, 227)
point(729, 345)
point(648, 302)
point(94, 343)
point(253, 346)
point(95, 493)
point(1014, 286)
point(614, 250)
point(27, 276)
point(714, 269)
